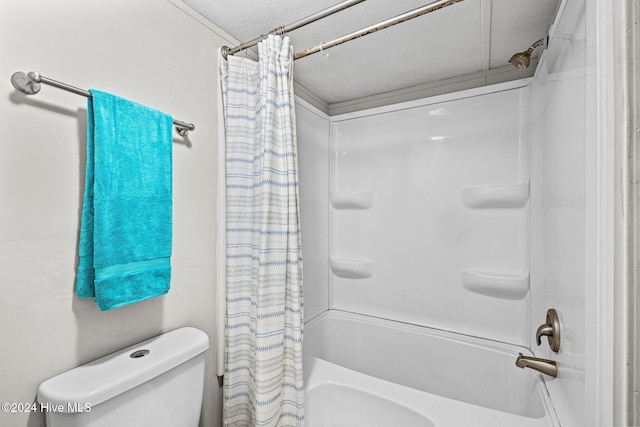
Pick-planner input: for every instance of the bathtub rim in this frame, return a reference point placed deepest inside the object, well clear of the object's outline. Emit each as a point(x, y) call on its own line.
point(439, 332)
point(340, 376)
point(470, 340)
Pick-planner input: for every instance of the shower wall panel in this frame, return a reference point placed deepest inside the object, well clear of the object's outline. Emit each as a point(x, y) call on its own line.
point(429, 217)
point(312, 128)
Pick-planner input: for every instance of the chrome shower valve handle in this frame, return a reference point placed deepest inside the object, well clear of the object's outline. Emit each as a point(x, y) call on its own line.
point(551, 330)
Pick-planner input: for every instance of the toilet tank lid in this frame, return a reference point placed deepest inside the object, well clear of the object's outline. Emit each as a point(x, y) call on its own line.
point(116, 373)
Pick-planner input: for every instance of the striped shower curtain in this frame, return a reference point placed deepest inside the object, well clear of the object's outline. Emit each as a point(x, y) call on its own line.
point(264, 316)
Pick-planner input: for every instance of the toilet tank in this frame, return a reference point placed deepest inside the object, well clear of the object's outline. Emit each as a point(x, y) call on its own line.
point(158, 382)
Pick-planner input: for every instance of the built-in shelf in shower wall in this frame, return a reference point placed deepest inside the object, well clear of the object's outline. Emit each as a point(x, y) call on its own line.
point(351, 268)
point(495, 284)
point(351, 199)
point(496, 196)
point(491, 283)
point(348, 268)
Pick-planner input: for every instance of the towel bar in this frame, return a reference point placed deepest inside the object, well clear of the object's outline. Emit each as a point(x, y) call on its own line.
point(29, 83)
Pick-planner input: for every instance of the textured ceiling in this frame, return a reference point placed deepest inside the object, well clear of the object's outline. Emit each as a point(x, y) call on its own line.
point(462, 39)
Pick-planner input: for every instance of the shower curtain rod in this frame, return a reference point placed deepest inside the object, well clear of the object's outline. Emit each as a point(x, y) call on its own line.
point(431, 7)
point(29, 83)
point(294, 26)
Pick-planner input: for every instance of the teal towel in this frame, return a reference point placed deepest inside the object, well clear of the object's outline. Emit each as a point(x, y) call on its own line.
point(126, 224)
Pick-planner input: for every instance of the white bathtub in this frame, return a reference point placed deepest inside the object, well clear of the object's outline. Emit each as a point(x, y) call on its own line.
point(362, 371)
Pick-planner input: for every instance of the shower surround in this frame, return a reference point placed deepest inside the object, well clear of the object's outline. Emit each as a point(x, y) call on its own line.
point(471, 213)
point(428, 242)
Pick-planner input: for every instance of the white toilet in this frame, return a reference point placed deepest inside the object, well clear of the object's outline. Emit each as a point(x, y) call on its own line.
point(156, 383)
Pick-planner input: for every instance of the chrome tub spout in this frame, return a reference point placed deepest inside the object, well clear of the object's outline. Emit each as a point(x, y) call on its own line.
point(545, 366)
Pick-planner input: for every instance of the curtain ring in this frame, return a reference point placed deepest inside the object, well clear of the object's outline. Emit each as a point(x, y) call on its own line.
point(325, 54)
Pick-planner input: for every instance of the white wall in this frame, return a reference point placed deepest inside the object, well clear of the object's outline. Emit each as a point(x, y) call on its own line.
point(313, 163)
point(148, 51)
point(430, 213)
point(572, 209)
point(558, 216)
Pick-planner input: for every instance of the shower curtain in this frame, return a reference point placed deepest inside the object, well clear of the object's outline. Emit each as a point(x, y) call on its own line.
point(264, 315)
